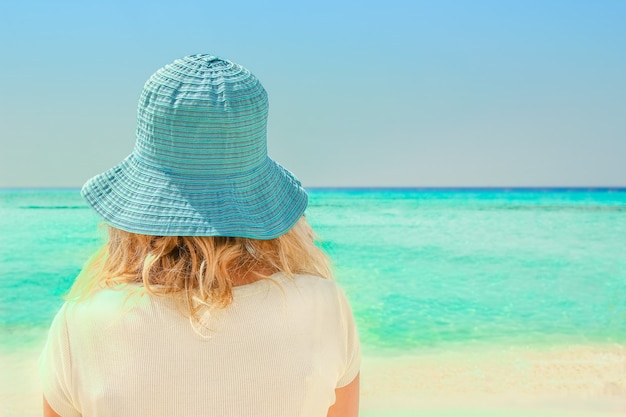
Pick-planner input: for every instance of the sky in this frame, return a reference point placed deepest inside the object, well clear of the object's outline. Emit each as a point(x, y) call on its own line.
point(508, 93)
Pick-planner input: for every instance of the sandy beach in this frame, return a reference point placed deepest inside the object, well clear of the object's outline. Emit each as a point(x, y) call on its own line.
point(557, 381)
point(570, 381)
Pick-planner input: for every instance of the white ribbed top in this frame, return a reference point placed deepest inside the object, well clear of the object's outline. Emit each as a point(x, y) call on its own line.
point(278, 350)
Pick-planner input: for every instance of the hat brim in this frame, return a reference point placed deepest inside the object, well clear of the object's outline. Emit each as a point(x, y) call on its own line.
point(138, 198)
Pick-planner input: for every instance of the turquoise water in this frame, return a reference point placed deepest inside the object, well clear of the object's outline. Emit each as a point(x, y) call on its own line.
point(422, 268)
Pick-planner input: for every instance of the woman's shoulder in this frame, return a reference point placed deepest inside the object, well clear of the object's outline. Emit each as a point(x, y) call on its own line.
point(312, 287)
point(107, 303)
point(311, 282)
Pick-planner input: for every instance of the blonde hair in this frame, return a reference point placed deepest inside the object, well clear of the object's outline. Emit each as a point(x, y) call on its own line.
point(198, 270)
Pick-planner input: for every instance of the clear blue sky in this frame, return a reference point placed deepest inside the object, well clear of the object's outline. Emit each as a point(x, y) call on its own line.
point(393, 93)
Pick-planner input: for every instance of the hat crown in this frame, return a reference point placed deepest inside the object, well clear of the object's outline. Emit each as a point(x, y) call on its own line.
point(202, 116)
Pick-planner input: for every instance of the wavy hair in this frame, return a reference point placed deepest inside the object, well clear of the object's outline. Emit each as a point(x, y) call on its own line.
point(198, 270)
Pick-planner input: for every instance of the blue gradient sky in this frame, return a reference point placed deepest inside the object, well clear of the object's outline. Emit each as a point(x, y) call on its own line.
point(415, 93)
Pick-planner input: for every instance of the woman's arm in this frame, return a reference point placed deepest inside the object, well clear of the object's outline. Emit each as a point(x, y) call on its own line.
point(347, 400)
point(47, 410)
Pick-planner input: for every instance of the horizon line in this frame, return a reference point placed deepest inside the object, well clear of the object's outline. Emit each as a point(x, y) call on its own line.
point(394, 188)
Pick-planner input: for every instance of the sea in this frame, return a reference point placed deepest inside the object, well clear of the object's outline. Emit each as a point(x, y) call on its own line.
point(434, 276)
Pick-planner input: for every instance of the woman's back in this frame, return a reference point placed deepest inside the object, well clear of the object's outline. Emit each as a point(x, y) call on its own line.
point(279, 349)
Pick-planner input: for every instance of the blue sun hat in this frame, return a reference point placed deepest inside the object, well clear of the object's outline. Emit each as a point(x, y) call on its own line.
point(200, 165)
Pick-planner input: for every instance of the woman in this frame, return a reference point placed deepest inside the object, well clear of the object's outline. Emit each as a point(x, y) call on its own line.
point(210, 297)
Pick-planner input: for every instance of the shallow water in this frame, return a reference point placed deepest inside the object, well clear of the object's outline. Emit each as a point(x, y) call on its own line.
point(436, 268)
point(422, 268)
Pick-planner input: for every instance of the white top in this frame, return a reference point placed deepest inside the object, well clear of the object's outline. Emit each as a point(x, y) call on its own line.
point(277, 350)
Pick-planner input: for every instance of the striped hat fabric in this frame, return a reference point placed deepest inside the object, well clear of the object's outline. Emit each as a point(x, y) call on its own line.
point(200, 165)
